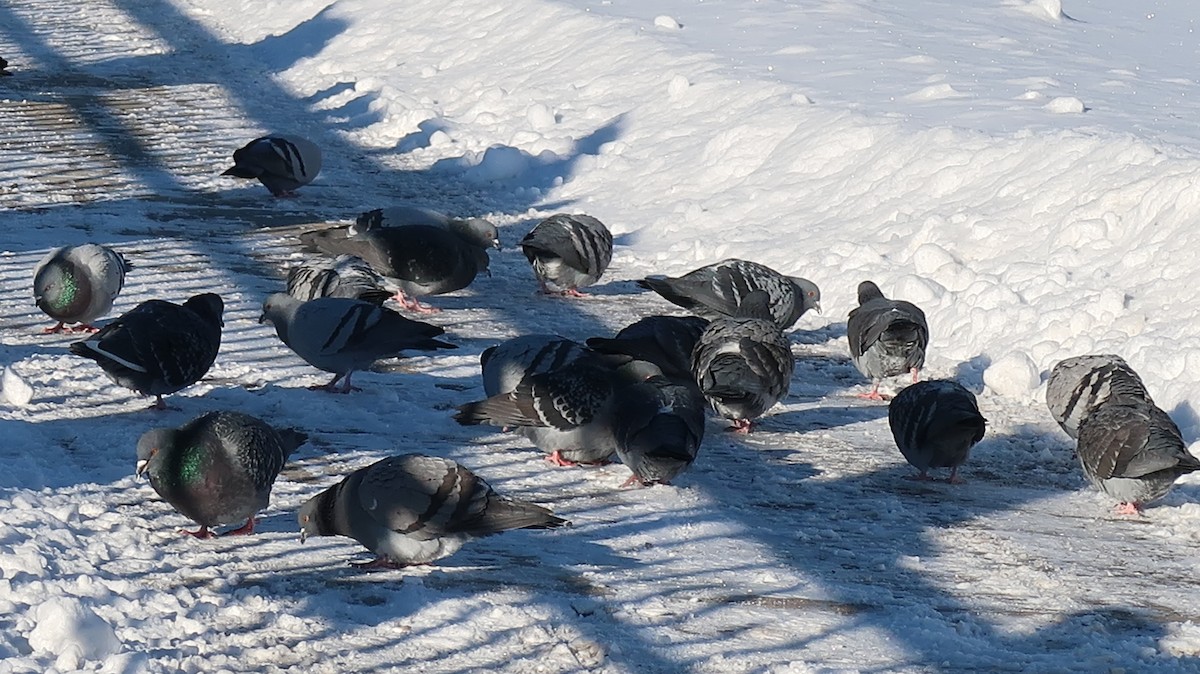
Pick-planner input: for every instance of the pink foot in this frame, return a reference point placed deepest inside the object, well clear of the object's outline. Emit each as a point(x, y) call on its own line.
point(332, 386)
point(633, 481)
point(954, 478)
point(202, 532)
point(61, 327)
point(916, 375)
point(557, 459)
point(1128, 508)
point(414, 304)
point(572, 292)
point(244, 530)
point(740, 426)
point(380, 562)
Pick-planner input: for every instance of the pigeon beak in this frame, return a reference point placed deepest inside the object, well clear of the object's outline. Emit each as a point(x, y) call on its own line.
point(140, 468)
point(817, 306)
point(303, 536)
point(496, 244)
point(262, 319)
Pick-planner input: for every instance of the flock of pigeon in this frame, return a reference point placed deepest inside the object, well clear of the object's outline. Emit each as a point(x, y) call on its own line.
point(640, 396)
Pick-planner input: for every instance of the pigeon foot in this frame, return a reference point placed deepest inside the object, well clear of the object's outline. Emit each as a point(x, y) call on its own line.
point(202, 533)
point(379, 563)
point(244, 530)
point(1129, 509)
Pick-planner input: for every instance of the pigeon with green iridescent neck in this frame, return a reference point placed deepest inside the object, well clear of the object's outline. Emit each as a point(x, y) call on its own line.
point(218, 468)
point(78, 284)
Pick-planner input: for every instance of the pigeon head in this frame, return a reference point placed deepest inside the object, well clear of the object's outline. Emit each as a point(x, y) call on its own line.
point(868, 291)
point(61, 289)
point(316, 516)
point(150, 444)
point(478, 231)
point(278, 310)
point(810, 294)
point(208, 306)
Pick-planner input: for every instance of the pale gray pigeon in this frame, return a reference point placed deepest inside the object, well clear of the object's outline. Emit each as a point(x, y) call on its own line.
point(416, 509)
point(716, 291)
point(659, 428)
point(341, 335)
point(568, 252)
point(344, 276)
point(158, 348)
point(218, 468)
point(78, 284)
point(568, 411)
point(935, 424)
point(743, 364)
point(1079, 385)
point(282, 163)
point(666, 341)
point(419, 259)
point(887, 337)
point(1132, 451)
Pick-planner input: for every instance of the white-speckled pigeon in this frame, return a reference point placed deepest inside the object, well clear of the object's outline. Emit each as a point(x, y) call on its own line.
point(282, 163)
point(659, 428)
point(568, 252)
point(158, 348)
point(341, 335)
point(344, 276)
point(1081, 384)
point(1131, 450)
point(935, 424)
point(78, 284)
point(666, 341)
point(568, 411)
point(887, 337)
point(420, 259)
point(743, 364)
point(416, 509)
point(716, 291)
point(218, 468)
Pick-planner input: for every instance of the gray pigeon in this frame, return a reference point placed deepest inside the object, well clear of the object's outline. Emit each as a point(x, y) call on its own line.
point(659, 428)
point(78, 284)
point(1079, 385)
point(218, 468)
point(420, 259)
point(743, 364)
point(568, 411)
point(666, 341)
point(506, 364)
point(935, 424)
point(716, 291)
point(345, 276)
point(568, 252)
point(887, 337)
point(1132, 451)
point(281, 163)
point(341, 335)
point(158, 348)
point(416, 509)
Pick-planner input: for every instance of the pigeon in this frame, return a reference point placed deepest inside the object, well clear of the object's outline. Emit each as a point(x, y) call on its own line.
point(420, 259)
point(78, 284)
point(1132, 451)
point(158, 348)
point(506, 364)
point(1079, 385)
point(659, 428)
point(887, 337)
point(345, 276)
point(666, 341)
point(282, 163)
point(567, 411)
point(4, 68)
point(399, 215)
point(216, 469)
point(743, 364)
point(935, 424)
point(416, 509)
point(341, 335)
point(717, 290)
point(568, 252)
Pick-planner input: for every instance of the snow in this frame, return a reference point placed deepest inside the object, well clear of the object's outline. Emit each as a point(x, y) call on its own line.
point(1023, 171)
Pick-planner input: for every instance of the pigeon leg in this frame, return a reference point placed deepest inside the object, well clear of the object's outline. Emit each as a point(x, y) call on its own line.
point(1128, 508)
point(413, 304)
point(244, 530)
point(61, 327)
point(332, 386)
point(557, 459)
point(740, 426)
point(633, 480)
point(916, 375)
point(572, 292)
point(954, 478)
point(874, 394)
point(923, 476)
point(158, 404)
point(202, 532)
point(84, 327)
point(380, 562)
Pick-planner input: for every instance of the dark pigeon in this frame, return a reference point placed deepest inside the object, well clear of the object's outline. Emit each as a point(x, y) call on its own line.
point(716, 291)
point(935, 424)
point(666, 341)
point(282, 163)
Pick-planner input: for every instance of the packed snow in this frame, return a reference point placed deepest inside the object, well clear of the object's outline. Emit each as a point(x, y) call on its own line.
point(1023, 171)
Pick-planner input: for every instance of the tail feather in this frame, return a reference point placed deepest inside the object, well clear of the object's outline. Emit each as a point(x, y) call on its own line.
point(504, 515)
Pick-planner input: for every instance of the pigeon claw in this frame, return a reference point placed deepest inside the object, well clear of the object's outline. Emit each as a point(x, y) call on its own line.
point(633, 480)
point(740, 426)
point(379, 563)
point(1128, 508)
point(202, 533)
point(558, 459)
point(244, 530)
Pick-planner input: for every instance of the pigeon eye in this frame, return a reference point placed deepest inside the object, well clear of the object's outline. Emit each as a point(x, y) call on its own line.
point(304, 519)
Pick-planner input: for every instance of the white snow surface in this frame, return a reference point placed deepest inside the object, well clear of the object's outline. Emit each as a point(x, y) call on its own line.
point(1026, 172)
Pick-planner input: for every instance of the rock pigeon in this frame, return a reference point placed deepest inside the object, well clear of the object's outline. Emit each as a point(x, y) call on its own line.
point(887, 337)
point(415, 509)
point(341, 335)
point(568, 411)
point(1079, 385)
point(216, 469)
point(659, 428)
point(158, 348)
point(568, 252)
point(666, 341)
point(421, 259)
point(77, 284)
point(935, 424)
point(717, 290)
point(1132, 451)
point(281, 163)
point(506, 364)
point(743, 364)
point(345, 276)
